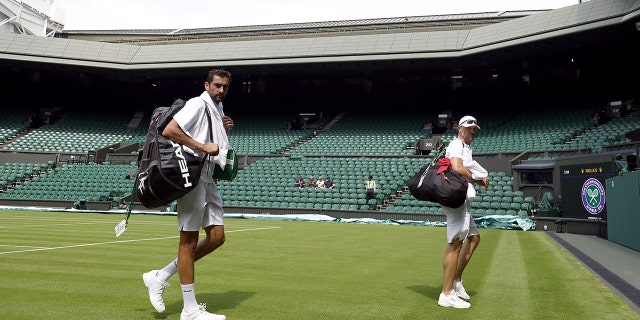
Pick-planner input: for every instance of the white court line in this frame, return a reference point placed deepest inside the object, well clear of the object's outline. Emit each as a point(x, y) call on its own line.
point(146, 223)
point(12, 246)
point(80, 220)
point(60, 221)
point(69, 223)
point(122, 241)
point(54, 224)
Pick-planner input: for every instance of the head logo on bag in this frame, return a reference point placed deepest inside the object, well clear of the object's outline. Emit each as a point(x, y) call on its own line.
point(141, 182)
point(182, 162)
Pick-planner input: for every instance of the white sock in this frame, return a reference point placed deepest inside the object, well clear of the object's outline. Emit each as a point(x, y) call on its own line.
point(189, 296)
point(168, 271)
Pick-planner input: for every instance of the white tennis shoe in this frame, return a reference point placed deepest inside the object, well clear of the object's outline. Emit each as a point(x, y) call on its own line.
point(200, 313)
point(452, 300)
point(462, 293)
point(156, 289)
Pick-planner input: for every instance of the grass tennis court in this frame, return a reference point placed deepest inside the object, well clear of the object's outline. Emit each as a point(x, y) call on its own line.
point(71, 266)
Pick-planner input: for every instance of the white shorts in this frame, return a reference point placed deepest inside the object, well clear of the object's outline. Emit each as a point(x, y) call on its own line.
point(200, 208)
point(460, 224)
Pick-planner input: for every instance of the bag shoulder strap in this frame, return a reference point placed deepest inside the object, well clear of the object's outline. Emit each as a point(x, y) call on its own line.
point(441, 153)
point(206, 109)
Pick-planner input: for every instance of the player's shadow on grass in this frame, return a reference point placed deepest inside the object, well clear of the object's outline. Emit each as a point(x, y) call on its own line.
point(215, 302)
point(427, 291)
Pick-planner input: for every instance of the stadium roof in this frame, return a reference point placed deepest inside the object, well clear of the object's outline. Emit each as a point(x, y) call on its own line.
point(573, 26)
point(408, 23)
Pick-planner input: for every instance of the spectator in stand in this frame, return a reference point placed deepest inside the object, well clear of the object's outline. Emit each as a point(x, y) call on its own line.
point(312, 182)
point(370, 186)
point(329, 183)
point(123, 203)
point(320, 183)
point(299, 183)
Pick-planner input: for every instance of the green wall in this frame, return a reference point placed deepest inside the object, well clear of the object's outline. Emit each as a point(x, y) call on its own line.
point(623, 209)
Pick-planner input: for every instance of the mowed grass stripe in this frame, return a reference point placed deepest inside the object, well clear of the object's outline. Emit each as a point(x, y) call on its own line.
point(505, 280)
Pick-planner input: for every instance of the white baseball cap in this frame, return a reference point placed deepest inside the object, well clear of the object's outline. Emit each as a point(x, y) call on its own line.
point(468, 121)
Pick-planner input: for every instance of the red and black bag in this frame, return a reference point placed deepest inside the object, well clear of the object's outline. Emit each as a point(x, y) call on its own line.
point(437, 182)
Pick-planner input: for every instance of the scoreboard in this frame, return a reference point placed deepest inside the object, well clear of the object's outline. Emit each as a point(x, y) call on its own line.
point(582, 189)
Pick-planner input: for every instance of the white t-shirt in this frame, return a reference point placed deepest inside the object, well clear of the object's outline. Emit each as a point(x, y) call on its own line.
point(458, 149)
point(192, 119)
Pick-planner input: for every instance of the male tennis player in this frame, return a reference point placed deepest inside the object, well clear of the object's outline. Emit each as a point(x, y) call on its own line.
point(462, 233)
point(202, 206)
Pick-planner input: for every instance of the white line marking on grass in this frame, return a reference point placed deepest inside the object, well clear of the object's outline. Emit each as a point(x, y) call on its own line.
point(69, 221)
point(85, 245)
point(121, 241)
point(59, 224)
point(253, 229)
point(12, 246)
point(60, 221)
point(32, 218)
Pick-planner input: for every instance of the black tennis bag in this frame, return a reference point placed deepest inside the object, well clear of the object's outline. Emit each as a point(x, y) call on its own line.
point(437, 182)
point(166, 171)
